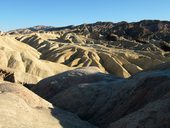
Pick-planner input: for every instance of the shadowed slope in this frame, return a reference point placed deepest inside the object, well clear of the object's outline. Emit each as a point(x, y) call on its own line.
point(103, 99)
point(20, 107)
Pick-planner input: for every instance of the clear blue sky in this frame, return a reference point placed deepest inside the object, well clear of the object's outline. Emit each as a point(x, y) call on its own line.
point(25, 13)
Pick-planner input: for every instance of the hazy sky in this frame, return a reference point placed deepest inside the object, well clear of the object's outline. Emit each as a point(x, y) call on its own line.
point(25, 13)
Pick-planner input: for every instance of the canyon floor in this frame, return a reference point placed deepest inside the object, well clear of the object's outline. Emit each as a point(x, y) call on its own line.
point(101, 75)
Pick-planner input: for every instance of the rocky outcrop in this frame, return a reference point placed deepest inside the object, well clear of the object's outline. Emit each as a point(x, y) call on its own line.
point(65, 80)
point(103, 99)
point(153, 115)
point(20, 107)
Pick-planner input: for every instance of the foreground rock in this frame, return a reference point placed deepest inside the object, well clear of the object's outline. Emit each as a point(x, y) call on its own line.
point(107, 101)
point(20, 107)
point(49, 87)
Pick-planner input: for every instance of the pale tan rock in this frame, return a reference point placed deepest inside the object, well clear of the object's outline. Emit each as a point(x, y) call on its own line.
point(112, 66)
point(128, 57)
point(24, 62)
point(20, 107)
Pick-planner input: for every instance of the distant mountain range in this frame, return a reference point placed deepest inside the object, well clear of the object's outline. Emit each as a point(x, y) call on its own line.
point(142, 30)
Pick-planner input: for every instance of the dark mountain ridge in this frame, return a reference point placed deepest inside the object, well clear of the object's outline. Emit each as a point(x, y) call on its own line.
point(142, 30)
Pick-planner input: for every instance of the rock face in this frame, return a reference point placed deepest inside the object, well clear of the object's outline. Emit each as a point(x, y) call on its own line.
point(107, 101)
point(20, 107)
